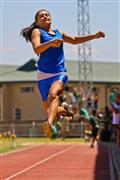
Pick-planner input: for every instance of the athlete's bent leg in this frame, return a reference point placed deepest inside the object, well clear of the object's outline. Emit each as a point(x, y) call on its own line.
point(53, 98)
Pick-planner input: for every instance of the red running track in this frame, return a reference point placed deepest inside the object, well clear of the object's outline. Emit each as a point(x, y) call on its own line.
point(57, 162)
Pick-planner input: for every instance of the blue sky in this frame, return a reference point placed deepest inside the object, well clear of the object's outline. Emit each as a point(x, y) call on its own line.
point(15, 15)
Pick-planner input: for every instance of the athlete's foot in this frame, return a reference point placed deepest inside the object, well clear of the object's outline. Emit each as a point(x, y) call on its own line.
point(47, 129)
point(67, 108)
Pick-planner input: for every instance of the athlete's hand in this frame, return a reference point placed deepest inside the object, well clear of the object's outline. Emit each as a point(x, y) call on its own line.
point(99, 35)
point(56, 42)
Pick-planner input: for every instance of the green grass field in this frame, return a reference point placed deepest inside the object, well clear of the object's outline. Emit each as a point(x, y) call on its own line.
point(7, 145)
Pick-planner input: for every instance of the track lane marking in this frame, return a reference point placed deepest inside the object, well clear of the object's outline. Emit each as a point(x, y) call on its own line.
point(39, 162)
point(112, 175)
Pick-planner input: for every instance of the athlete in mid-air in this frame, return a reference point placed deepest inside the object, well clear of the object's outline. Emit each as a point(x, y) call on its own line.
point(47, 43)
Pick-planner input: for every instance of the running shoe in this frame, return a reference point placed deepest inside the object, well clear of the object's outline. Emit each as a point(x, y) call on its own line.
point(47, 129)
point(67, 108)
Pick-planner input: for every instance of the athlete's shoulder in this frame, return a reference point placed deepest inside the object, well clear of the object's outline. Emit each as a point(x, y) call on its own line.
point(35, 31)
point(35, 34)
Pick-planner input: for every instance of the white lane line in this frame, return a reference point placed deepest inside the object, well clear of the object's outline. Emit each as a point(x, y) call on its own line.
point(38, 163)
point(112, 175)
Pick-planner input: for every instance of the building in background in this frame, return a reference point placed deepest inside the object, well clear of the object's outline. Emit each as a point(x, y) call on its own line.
point(20, 101)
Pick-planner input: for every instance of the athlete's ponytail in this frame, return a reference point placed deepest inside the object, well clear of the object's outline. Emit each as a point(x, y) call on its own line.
point(26, 32)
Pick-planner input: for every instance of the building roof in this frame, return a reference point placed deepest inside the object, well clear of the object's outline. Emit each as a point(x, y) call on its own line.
point(102, 72)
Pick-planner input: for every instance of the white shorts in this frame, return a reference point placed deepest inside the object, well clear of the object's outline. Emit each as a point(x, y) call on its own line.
point(116, 119)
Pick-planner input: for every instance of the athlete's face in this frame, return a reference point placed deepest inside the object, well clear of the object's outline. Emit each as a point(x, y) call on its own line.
point(43, 19)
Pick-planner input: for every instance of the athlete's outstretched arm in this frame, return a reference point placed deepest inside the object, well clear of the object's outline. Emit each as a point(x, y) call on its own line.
point(81, 39)
point(41, 47)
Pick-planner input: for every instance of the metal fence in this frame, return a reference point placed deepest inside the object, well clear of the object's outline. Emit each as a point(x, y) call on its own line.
point(35, 130)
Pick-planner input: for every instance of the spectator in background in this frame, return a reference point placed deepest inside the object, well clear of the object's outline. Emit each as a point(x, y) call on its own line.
point(30, 132)
point(94, 126)
point(96, 100)
point(73, 102)
point(84, 114)
point(112, 96)
point(89, 103)
point(107, 114)
point(116, 117)
point(80, 97)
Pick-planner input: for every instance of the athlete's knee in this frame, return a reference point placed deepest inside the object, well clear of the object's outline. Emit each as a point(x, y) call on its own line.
point(52, 96)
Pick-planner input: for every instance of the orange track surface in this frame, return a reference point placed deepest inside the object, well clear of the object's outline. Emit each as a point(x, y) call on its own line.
point(57, 162)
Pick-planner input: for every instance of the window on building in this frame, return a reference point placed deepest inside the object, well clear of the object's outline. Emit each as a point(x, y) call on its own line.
point(27, 89)
point(96, 89)
point(17, 113)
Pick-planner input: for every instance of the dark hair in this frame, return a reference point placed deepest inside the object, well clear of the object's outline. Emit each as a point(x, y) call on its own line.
point(26, 32)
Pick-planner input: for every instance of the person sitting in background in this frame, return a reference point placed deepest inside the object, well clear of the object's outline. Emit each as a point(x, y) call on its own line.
point(116, 117)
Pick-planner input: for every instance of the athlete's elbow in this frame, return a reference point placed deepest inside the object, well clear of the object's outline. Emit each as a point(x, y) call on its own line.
point(36, 50)
point(75, 40)
point(74, 43)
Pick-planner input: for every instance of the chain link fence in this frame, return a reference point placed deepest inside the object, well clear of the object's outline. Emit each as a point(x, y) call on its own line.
point(35, 130)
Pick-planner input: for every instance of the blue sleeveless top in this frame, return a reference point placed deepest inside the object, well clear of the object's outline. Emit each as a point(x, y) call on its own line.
point(51, 60)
